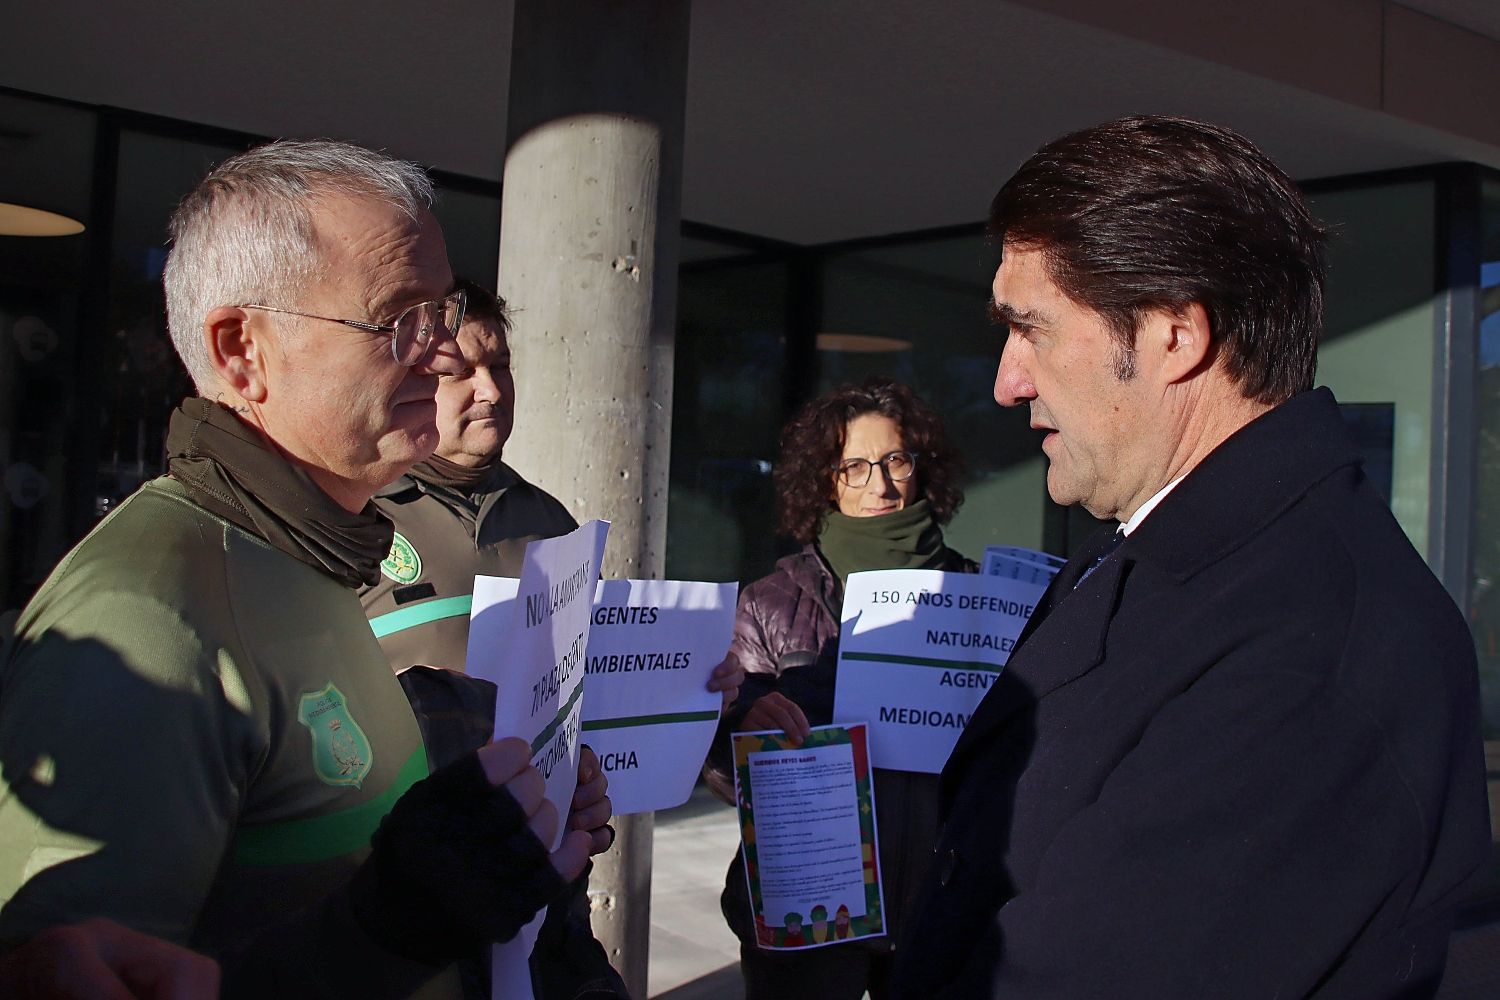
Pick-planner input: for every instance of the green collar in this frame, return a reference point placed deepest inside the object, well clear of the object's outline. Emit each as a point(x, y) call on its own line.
point(906, 539)
point(228, 468)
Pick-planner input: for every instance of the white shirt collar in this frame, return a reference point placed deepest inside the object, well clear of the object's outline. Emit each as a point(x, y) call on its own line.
point(1148, 507)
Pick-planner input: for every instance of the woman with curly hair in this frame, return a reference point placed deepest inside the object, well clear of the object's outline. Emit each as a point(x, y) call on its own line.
point(866, 480)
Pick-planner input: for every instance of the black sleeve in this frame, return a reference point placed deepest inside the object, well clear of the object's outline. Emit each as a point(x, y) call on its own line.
point(568, 962)
point(453, 869)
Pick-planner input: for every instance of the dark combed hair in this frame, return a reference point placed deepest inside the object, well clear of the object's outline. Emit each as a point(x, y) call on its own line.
point(813, 442)
point(1154, 212)
point(481, 303)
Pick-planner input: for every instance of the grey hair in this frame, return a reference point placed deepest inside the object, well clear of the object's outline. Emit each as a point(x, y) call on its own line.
point(245, 234)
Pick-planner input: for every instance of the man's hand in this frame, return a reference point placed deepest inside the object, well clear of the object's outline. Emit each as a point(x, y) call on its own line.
point(101, 960)
point(727, 678)
point(507, 764)
point(464, 858)
point(777, 711)
point(591, 805)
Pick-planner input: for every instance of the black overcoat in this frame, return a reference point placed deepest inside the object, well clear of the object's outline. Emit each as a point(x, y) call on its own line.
point(1241, 759)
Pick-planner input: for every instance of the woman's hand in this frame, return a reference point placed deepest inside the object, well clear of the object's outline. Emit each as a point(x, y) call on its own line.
point(727, 678)
point(777, 711)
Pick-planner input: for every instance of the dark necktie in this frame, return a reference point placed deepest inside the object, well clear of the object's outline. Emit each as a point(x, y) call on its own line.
point(1095, 549)
point(1116, 537)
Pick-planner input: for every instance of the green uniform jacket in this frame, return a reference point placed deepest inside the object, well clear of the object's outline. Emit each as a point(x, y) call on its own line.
point(444, 538)
point(198, 738)
point(420, 612)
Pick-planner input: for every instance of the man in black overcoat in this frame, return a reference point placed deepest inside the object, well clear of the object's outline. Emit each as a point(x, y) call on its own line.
point(1237, 750)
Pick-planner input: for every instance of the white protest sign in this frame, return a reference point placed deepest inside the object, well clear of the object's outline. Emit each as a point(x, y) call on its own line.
point(648, 715)
point(532, 647)
point(918, 649)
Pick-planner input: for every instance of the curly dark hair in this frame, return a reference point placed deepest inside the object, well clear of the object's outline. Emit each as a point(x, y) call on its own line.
point(813, 442)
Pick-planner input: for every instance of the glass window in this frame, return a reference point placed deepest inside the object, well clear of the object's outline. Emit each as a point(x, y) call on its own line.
point(727, 410)
point(46, 162)
point(1377, 349)
point(1484, 593)
point(916, 311)
point(144, 381)
point(471, 228)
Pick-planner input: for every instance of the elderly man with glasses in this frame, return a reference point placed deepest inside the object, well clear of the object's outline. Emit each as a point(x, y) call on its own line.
point(198, 732)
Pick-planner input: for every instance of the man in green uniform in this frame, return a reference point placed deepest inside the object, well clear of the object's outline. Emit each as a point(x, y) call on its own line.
point(197, 737)
point(461, 512)
point(464, 512)
point(455, 518)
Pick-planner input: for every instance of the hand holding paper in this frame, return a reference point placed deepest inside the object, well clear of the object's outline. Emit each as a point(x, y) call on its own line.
point(539, 697)
point(727, 678)
point(591, 806)
point(808, 837)
point(654, 699)
point(507, 764)
point(777, 711)
point(493, 873)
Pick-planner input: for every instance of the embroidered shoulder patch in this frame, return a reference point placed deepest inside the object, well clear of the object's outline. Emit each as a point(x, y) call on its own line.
point(341, 750)
point(402, 564)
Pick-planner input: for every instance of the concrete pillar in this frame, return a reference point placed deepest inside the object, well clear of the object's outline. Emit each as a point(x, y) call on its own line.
point(588, 263)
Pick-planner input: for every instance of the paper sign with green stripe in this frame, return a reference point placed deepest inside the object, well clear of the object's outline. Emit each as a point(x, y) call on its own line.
point(647, 712)
point(529, 637)
point(918, 650)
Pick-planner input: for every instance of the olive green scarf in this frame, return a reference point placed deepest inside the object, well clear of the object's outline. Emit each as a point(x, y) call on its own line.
point(906, 539)
point(441, 472)
point(229, 468)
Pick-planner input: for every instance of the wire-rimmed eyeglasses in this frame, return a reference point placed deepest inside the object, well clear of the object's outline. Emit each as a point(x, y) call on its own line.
point(413, 331)
point(898, 466)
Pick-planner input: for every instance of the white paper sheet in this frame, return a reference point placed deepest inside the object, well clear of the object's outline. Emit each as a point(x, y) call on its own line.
point(918, 649)
point(533, 648)
point(648, 715)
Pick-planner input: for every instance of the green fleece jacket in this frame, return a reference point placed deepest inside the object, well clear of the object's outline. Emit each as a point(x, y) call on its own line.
point(198, 735)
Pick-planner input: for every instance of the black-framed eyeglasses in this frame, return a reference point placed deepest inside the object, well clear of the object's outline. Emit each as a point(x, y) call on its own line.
point(412, 333)
point(898, 466)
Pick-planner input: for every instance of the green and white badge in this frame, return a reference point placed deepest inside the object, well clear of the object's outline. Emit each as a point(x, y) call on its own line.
point(402, 563)
point(341, 750)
